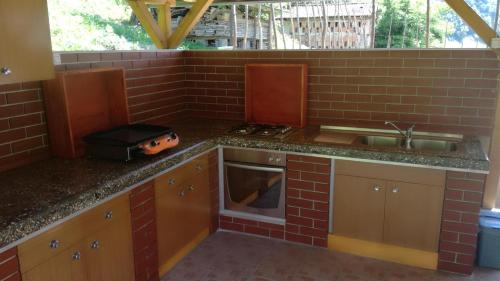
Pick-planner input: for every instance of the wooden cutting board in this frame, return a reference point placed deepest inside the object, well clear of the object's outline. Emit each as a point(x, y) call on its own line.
point(276, 94)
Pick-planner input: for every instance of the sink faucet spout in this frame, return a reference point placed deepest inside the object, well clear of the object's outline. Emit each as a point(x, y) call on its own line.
point(408, 134)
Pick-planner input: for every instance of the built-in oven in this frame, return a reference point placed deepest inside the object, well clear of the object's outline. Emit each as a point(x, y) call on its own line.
point(254, 182)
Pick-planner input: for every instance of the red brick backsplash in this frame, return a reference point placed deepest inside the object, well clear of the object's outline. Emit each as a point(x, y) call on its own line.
point(460, 221)
point(254, 227)
point(9, 266)
point(142, 207)
point(307, 193)
point(23, 131)
point(439, 90)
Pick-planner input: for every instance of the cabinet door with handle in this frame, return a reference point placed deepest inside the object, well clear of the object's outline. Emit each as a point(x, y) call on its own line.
point(25, 49)
point(109, 252)
point(413, 215)
point(358, 208)
point(68, 265)
point(182, 212)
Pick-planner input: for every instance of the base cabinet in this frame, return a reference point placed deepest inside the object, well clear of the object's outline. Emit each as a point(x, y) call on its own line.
point(182, 211)
point(95, 246)
point(393, 205)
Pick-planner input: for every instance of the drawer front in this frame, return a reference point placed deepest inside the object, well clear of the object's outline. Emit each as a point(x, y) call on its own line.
point(63, 236)
point(390, 172)
point(178, 176)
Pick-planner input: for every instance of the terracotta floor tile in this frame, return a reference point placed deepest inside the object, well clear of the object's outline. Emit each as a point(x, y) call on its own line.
point(236, 257)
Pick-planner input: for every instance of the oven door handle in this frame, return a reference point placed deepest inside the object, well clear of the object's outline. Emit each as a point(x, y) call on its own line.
point(256, 168)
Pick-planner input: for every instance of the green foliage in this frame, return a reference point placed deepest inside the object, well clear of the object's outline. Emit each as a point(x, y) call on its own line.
point(95, 25)
point(402, 24)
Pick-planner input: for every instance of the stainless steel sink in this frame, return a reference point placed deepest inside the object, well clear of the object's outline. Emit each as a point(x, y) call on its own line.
point(416, 144)
point(381, 141)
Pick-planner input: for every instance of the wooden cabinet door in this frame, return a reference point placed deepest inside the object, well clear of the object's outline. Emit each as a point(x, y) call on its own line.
point(109, 252)
point(358, 208)
point(25, 49)
point(67, 265)
point(183, 213)
point(413, 215)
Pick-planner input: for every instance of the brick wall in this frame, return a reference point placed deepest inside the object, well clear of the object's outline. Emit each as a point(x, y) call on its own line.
point(439, 90)
point(269, 230)
point(308, 193)
point(459, 226)
point(9, 266)
point(142, 207)
point(23, 131)
point(155, 89)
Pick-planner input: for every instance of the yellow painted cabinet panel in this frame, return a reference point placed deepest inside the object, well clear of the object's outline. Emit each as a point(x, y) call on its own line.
point(359, 208)
point(109, 253)
point(25, 47)
point(413, 215)
point(182, 212)
point(67, 265)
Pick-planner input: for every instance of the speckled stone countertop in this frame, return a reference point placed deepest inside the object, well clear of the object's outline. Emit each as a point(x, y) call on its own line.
point(38, 195)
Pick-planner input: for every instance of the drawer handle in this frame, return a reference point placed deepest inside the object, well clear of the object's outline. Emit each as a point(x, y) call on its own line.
point(395, 190)
point(171, 181)
point(182, 193)
point(95, 245)
point(108, 215)
point(77, 256)
point(5, 71)
point(54, 244)
point(191, 188)
point(199, 167)
point(377, 188)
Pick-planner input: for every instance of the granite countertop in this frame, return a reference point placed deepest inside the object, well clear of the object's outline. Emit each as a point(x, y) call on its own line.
point(40, 194)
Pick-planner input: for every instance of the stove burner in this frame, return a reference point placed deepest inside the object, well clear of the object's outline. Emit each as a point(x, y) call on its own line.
point(263, 130)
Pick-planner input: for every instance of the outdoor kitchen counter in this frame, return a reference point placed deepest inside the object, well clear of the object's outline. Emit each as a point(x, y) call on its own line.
point(39, 195)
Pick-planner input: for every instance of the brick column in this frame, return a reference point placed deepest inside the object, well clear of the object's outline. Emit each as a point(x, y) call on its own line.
point(213, 174)
point(308, 193)
point(142, 207)
point(460, 221)
point(9, 266)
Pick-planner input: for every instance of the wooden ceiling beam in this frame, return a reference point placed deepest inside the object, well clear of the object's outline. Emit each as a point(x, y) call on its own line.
point(473, 20)
point(142, 12)
point(188, 22)
point(165, 18)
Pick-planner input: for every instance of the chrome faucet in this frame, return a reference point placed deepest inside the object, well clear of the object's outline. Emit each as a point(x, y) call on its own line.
point(408, 134)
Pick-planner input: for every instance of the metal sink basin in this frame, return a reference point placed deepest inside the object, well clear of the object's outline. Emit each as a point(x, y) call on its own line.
point(417, 144)
point(381, 141)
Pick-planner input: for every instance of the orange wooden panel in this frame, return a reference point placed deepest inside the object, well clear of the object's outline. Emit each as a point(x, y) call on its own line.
point(276, 94)
point(82, 102)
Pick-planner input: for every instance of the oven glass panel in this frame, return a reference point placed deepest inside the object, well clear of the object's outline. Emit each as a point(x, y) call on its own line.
point(254, 191)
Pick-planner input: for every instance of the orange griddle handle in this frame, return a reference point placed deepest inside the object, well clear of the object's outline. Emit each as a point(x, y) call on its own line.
point(159, 144)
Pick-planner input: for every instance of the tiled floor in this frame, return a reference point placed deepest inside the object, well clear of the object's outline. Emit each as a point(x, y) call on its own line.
point(235, 257)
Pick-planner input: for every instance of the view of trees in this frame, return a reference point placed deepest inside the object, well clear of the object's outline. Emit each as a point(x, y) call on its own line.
point(111, 25)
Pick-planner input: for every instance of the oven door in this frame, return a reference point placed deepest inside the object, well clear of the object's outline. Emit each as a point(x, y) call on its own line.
point(254, 189)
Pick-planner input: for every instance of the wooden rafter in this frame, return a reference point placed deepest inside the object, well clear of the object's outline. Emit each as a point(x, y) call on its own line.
point(142, 12)
point(189, 21)
point(473, 20)
point(161, 31)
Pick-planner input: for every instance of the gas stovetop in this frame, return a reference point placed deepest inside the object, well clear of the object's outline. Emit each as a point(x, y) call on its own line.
point(261, 130)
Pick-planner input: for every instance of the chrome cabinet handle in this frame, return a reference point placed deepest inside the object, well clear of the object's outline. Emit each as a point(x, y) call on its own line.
point(54, 244)
point(377, 188)
point(199, 167)
point(278, 160)
point(182, 193)
point(395, 190)
point(77, 256)
point(5, 71)
point(171, 181)
point(271, 159)
point(108, 215)
point(191, 188)
point(95, 244)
